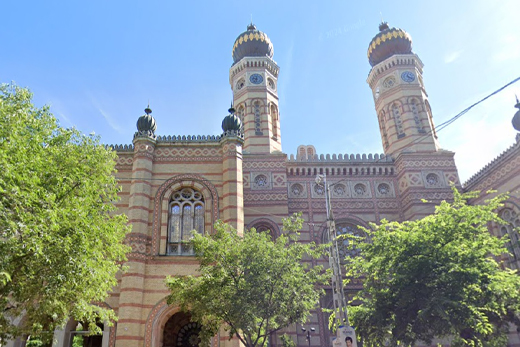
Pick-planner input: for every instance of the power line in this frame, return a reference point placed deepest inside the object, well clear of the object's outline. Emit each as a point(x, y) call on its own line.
point(450, 121)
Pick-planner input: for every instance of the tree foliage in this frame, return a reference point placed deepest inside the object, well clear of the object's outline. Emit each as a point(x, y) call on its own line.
point(436, 277)
point(60, 243)
point(252, 285)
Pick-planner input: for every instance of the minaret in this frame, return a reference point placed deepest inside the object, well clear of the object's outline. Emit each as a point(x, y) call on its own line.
point(424, 172)
point(253, 78)
point(403, 111)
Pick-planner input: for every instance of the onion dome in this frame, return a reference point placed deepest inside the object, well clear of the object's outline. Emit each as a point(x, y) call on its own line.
point(231, 122)
point(516, 117)
point(146, 123)
point(252, 43)
point(387, 42)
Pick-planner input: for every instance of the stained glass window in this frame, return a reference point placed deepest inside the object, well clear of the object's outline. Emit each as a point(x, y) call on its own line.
point(186, 214)
point(513, 221)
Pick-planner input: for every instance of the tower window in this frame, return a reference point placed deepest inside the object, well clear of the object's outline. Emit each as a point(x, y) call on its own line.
point(186, 212)
point(240, 84)
point(382, 127)
point(415, 111)
point(430, 117)
point(240, 114)
point(258, 122)
point(398, 122)
point(274, 121)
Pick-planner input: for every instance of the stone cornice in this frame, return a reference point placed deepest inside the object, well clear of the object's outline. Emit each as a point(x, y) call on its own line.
point(494, 164)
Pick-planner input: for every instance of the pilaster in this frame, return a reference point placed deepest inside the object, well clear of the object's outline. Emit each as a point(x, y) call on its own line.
point(424, 180)
point(130, 324)
point(232, 182)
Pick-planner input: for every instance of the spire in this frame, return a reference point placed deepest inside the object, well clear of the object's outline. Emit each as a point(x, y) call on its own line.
point(231, 109)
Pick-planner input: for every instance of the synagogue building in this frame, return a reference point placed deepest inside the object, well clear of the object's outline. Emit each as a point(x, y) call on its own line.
point(174, 184)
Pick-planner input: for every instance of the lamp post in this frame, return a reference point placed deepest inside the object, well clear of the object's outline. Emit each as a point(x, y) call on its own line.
point(340, 303)
point(308, 335)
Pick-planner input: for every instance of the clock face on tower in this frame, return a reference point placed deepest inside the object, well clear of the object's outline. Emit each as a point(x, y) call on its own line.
point(256, 78)
point(408, 76)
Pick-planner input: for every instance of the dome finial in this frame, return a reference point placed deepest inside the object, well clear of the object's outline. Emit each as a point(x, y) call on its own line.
point(516, 117)
point(383, 25)
point(148, 110)
point(231, 109)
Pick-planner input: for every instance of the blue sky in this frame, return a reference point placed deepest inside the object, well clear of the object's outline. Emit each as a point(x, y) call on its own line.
point(97, 64)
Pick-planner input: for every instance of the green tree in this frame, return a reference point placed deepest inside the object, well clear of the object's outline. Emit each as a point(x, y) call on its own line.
point(60, 242)
point(251, 285)
point(436, 277)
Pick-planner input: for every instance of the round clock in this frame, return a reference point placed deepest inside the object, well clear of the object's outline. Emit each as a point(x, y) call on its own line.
point(408, 76)
point(256, 78)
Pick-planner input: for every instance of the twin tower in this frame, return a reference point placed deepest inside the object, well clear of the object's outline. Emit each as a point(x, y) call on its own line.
point(404, 114)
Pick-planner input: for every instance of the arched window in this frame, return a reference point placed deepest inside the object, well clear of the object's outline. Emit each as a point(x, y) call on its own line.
point(310, 152)
point(398, 122)
point(513, 221)
point(430, 117)
point(382, 126)
point(415, 110)
point(301, 153)
point(346, 228)
point(274, 121)
point(186, 210)
point(258, 121)
point(240, 114)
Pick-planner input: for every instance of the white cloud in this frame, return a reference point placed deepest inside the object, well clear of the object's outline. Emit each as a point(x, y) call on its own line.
point(108, 118)
point(452, 56)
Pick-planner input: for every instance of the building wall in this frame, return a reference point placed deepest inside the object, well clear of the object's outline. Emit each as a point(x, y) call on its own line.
point(248, 182)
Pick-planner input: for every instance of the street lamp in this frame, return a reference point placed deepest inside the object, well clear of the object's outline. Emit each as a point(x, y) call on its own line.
point(308, 335)
point(340, 304)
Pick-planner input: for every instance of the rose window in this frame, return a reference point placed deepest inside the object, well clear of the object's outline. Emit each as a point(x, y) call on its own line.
point(360, 189)
point(383, 189)
point(432, 179)
point(261, 181)
point(319, 189)
point(189, 335)
point(297, 189)
point(339, 189)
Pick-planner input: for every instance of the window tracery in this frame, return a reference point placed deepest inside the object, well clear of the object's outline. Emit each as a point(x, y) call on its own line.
point(430, 118)
point(186, 213)
point(398, 122)
point(240, 113)
point(382, 126)
point(274, 121)
point(415, 110)
point(512, 218)
point(258, 121)
point(345, 243)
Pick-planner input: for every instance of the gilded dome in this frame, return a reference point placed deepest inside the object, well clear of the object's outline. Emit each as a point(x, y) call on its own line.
point(387, 42)
point(252, 43)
